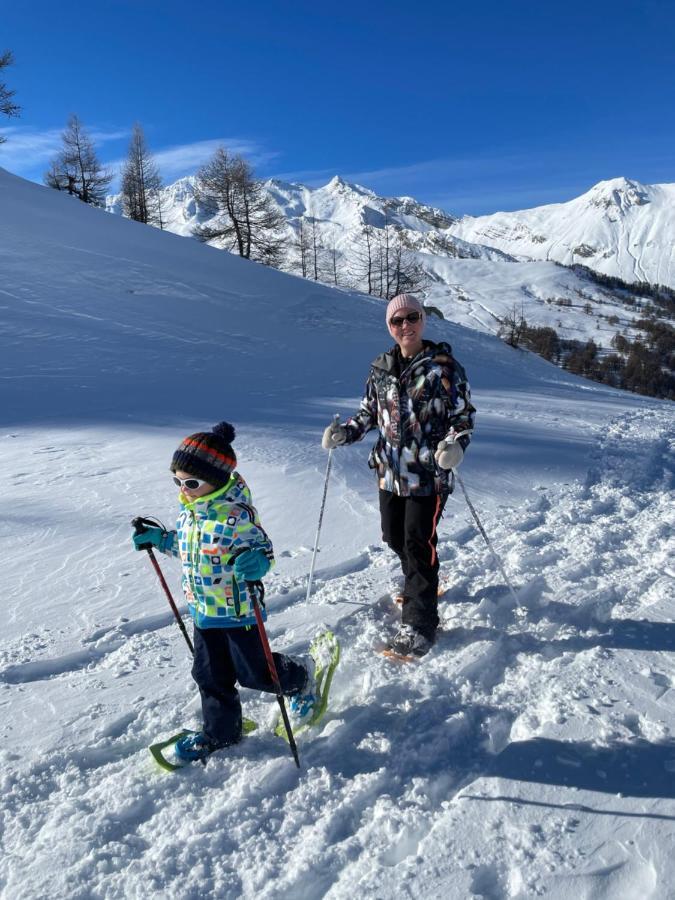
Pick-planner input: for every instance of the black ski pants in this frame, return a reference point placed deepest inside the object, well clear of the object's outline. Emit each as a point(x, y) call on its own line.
point(409, 528)
point(225, 656)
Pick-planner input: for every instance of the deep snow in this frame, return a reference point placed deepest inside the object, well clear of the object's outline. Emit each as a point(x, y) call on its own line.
point(530, 754)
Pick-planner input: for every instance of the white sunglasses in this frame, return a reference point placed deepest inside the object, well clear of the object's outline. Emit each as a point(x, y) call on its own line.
point(190, 483)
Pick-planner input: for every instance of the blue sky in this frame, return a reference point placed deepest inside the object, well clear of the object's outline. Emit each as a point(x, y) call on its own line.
point(478, 107)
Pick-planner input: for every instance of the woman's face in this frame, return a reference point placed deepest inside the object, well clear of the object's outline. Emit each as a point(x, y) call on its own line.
point(406, 333)
point(194, 493)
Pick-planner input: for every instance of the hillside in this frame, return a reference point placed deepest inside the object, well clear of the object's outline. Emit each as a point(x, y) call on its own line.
point(531, 754)
point(472, 277)
point(619, 227)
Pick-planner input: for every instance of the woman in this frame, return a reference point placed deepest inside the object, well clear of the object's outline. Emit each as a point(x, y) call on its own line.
point(417, 396)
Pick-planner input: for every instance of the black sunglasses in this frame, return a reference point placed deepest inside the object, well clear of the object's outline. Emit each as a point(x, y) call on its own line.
point(412, 317)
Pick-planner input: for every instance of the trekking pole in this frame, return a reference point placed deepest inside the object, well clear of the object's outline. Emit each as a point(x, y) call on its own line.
point(336, 421)
point(140, 525)
point(487, 540)
point(254, 587)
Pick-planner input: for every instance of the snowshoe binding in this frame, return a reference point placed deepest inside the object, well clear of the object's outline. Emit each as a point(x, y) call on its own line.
point(308, 707)
point(408, 645)
point(187, 746)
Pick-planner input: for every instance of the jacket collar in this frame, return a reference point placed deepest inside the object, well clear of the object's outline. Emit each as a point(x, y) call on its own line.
point(202, 503)
point(387, 361)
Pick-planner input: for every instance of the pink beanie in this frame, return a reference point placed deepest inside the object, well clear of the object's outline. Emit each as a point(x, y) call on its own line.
point(404, 301)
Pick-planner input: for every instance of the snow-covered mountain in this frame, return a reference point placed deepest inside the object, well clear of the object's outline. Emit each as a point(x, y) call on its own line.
point(339, 208)
point(531, 754)
point(619, 227)
point(471, 280)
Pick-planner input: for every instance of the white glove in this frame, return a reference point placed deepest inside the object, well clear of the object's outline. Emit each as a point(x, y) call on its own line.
point(334, 436)
point(449, 456)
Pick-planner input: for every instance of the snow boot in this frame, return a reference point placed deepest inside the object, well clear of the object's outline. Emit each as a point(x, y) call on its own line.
point(408, 643)
point(302, 704)
point(309, 706)
point(193, 746)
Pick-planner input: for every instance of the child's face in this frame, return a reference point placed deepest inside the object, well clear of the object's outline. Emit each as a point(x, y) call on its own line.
point(206, 488)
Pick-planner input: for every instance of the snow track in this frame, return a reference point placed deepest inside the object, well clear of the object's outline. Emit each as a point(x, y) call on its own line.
point(493, 766)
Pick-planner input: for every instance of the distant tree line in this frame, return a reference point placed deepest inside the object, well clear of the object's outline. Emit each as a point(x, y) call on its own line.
point(643, 365)
point(379, 262)
point(660, 294)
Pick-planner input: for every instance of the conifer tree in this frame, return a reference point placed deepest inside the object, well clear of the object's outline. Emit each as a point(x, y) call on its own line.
point(7, 105)
point(244, 217)
point(302, 247)
point(141, 182)
point(77, 169)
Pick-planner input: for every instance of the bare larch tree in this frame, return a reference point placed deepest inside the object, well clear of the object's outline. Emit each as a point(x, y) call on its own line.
point(141, 182)
point(7, 105)
point(384, 265)
point(302, 247)
point(77, 169)
point(244, 218)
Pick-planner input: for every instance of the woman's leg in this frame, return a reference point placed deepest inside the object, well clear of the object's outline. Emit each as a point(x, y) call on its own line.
point(420, 605)
point(392, 520)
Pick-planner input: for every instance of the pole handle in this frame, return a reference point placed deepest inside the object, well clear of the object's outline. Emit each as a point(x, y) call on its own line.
point(140, 526)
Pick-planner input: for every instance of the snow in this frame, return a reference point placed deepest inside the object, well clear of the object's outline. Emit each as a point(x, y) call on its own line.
point(620, 227)
point(530, 754)
point(475, 279)
point(480, 293)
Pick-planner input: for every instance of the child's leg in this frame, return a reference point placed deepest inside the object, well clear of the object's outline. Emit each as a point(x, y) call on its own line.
point(250, 663)
point(214, 672)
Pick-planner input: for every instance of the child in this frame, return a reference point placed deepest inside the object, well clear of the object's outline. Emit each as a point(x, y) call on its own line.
point(216, 521)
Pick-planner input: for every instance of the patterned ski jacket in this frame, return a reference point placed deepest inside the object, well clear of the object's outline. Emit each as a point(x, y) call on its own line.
point(414, 404)
point(209, 530)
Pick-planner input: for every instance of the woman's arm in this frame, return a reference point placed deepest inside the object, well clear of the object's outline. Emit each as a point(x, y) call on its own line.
point(460, 413)
point(366, 418)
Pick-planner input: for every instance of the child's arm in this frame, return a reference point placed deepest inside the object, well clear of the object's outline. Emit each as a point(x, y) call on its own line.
point(247, 533)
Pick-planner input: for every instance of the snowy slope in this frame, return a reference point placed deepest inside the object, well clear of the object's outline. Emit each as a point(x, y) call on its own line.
point(472, 280)
point(481, 293)
point(530, 754)
point(620, 227)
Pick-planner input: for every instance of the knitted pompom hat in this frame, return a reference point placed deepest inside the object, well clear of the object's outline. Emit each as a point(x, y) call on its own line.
point(207, 454)
point(404, 301)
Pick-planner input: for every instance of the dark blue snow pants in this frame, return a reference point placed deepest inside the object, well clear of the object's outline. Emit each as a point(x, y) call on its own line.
point(225, 656)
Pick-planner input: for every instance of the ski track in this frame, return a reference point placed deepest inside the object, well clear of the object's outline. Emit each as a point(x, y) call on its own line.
point(501, 702)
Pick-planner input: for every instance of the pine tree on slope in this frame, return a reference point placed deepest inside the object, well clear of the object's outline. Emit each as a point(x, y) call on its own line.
point(7, 106)
point(77, 169)
point(141, 182)
point(244, 217)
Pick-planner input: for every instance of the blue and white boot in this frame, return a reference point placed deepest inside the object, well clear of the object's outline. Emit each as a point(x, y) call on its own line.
point(193, 747)
point(302, 704)
point(308, 707)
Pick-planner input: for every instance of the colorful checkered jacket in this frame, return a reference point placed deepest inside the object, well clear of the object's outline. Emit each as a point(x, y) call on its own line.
point(414, 405)
point(209, 530)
